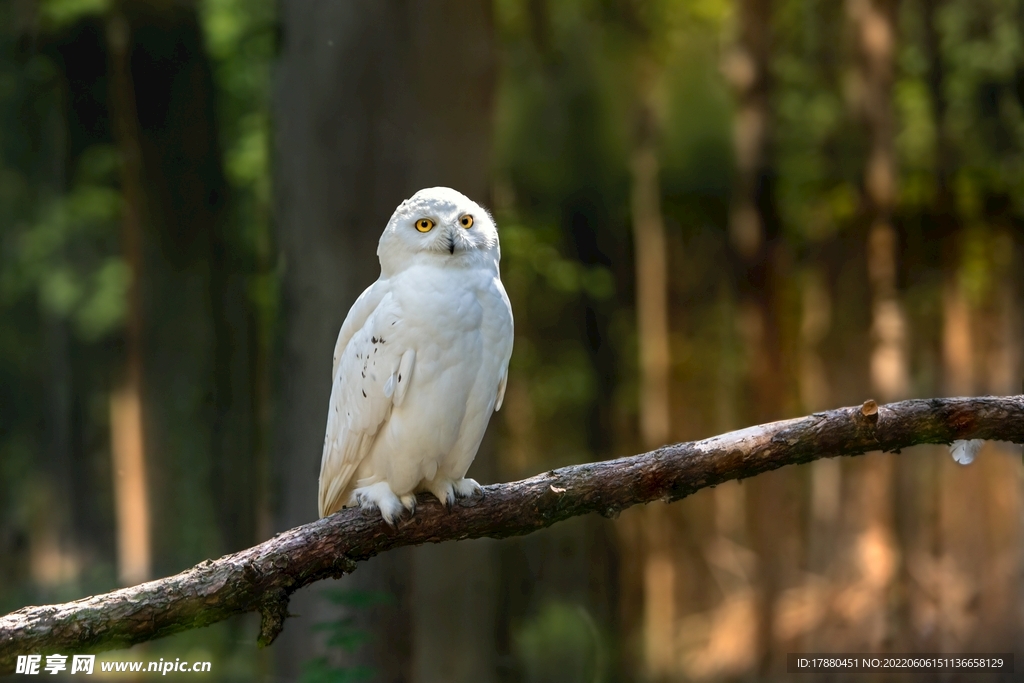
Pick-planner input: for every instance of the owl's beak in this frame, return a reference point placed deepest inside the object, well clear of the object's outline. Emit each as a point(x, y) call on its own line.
point(451, 244)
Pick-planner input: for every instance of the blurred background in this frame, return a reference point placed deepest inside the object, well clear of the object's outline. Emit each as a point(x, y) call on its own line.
point(713, 213)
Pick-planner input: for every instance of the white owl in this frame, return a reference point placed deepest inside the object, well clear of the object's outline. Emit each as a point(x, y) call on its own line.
point(421, 361)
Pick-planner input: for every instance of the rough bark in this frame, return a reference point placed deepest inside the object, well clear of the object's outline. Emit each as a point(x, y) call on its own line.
point(263, 577)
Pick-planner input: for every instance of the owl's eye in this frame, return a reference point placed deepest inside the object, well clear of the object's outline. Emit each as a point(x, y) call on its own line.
point(424, 225)
point(466, 221)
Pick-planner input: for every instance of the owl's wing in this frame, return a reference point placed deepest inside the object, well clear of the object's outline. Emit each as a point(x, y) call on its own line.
point(502, 383)
point(370, 378)
point(357, 317)
point(504, 343)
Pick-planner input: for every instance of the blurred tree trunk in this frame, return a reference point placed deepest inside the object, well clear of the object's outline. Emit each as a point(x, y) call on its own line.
point(658, 576)
point(56, 553)
point(545, 569)
point(187, 312)
point(651, 267)
point(126, 402)
point(918, 482)
point(134, 77)
point(874, 26)
point(957, 343)
point(754, 223)
point(758, 262)
point(873, 23)
point(375, 101)
point(945, 210)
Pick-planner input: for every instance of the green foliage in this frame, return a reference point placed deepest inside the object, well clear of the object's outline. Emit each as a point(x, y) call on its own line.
point(319, 670)
point(562, 644)
point(344, 635)
point(240, 39)
point(532, 250)
point(565, 125)
point(241, 44)
point(60, 13)
point(69, 254)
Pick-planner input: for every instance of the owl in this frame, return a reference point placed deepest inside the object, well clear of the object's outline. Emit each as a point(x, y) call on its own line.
point(421, 361)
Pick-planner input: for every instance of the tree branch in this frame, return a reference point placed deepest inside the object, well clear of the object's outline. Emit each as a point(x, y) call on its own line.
point(263, 577)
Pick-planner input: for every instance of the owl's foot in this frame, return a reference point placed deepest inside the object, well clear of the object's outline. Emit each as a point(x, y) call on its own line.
point(444, 492)
point(381, 496)
point(448, 491)
point(467, 488)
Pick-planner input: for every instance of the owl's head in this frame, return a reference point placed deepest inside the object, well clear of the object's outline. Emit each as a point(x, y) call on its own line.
point(441, 225)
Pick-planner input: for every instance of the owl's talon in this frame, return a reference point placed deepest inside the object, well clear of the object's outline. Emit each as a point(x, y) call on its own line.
point(380, 496)
point(443, 491)
point(467, 488)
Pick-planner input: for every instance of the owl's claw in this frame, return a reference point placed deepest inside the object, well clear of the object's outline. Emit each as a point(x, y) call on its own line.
point(444, 493)
point(448, 492)
point(467, 488)
point(381, 496)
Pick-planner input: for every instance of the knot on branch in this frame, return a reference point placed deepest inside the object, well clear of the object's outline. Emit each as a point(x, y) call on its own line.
point(342, 566)
point(869, 411)
point(273, 612)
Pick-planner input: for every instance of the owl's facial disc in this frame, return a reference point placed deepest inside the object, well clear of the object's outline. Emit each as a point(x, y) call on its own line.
point(439, 223)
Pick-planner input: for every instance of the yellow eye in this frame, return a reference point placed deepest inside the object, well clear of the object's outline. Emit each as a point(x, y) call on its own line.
point(466, 221)
point(424, 225)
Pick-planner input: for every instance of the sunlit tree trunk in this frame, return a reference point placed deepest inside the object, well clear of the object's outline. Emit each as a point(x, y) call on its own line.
point(957, 341)
point(375, 101)
point(651, 278)
point(919, 483)
point(873, 24)
point(816, 394)
point(126, 400)
point(199, 427)
point(184, 401)
point(655, 363)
